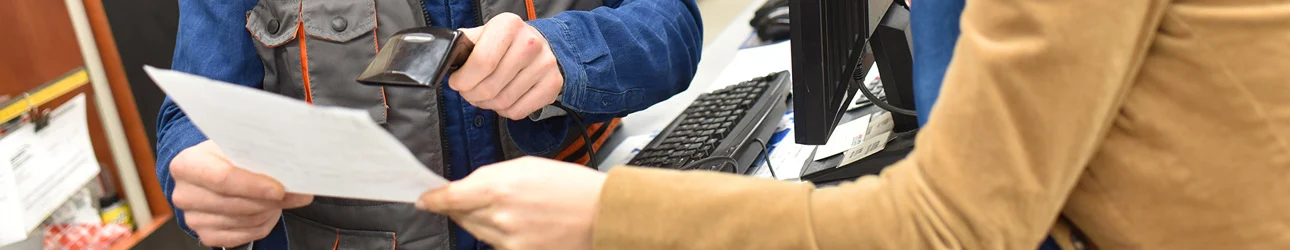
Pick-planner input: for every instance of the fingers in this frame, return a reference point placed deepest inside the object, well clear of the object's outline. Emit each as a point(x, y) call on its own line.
point(297, 200)
point(542, 94)
point(522, 83)
point(472, 34)
point(192, 198)
point(232, 237)
point(456, 198)
point(210, 221)
point(518, 57)
point(491, 44)
point(205, 166)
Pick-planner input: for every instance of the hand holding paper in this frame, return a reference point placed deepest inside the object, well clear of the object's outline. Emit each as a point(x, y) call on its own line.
point(312, 150)
point(226, 205)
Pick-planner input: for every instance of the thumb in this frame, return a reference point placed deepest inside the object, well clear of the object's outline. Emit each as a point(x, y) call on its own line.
point(294, 200)
point(472, 33)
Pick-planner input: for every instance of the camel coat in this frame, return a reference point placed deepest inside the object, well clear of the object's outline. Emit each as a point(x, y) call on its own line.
point(1149, 124)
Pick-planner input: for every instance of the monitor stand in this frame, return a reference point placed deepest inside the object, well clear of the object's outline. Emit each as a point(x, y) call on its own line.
point(890, 45)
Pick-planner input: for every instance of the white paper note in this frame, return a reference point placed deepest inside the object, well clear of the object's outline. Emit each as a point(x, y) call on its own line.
point(844, 137)
point(326, 151)
point(858, 138)
point(45, 167)
point(12, 228)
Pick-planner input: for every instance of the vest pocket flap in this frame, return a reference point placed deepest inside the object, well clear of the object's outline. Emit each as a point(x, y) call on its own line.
point(273, 23)
point(339, 21)
point(309, 234)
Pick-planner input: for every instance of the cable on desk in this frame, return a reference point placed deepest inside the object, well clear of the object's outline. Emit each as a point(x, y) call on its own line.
point(864, 90)
point(586, 139)
point(765, 150)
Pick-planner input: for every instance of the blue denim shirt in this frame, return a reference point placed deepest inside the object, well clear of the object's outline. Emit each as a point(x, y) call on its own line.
point(617, 59)
point(935, 28)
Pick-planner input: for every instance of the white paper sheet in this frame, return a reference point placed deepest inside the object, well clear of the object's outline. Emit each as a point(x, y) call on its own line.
point(755, 62)
point(315, 150)
point(12, 226)
point(845, 136)
point(858, 138)
point(45, 167)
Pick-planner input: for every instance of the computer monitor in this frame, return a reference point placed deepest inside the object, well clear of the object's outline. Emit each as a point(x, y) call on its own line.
point(835, 43)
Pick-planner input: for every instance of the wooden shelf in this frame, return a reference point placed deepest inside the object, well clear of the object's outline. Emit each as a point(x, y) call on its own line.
point(49, 39)
point(141, 233)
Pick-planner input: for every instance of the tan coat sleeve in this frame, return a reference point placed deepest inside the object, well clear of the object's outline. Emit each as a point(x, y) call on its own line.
point(1031, 92)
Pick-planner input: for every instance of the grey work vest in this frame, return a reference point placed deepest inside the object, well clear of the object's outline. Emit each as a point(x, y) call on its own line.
point(333, 40)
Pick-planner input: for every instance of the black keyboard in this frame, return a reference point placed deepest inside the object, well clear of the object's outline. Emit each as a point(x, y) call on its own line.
point(717, 132)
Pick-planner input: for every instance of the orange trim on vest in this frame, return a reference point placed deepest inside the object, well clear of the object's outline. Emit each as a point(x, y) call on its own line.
point(586, 157)
point(304, 63)
point(532, 11)
point(376, 45)
point(336, 245)
point(577, 143)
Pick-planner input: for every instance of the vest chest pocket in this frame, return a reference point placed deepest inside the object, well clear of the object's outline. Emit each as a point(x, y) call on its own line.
point(529, 9)
point(273, 25)
point(319, 53)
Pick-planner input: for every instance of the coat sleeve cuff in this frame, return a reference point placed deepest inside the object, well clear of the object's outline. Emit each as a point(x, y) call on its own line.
point(567, 55)
point(179, 135)
point(643, 208)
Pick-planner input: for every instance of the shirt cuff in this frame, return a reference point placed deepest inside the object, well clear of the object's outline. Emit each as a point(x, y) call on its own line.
point(581, 59)
point(180, 135)
point(567, 55)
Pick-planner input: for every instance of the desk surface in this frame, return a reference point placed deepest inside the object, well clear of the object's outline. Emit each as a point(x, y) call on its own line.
point(715, 58)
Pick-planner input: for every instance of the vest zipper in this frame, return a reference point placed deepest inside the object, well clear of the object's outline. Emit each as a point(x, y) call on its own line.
point(443, 135)
point(479, 12)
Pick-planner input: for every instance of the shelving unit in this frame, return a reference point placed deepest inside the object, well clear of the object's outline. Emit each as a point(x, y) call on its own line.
point(59, 49)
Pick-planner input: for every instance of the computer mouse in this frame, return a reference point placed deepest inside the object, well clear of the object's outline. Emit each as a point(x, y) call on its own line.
point(771, 21)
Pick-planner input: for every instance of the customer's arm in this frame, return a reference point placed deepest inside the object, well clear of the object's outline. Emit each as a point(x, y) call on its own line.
point(616, 60)
point(212, 42)
point(1032, 90)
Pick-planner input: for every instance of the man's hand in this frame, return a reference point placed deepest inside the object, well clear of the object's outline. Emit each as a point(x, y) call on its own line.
point(511, 70)
point(527, 203)
point(227, 206)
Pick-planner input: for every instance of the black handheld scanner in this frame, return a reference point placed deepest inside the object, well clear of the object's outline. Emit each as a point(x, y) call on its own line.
point(421, 57)
point(418, 57)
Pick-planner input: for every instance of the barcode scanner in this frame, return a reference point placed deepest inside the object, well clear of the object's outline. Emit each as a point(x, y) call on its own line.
point(421, 57)
point(418, 57)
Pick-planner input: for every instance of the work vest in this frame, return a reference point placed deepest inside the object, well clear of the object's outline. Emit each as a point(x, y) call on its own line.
point(313, 51)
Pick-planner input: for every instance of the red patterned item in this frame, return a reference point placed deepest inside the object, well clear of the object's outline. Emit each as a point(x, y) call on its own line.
point(84, 236)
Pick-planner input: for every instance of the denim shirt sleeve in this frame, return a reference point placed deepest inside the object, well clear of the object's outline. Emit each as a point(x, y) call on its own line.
point(616, 60)
point(211, 42)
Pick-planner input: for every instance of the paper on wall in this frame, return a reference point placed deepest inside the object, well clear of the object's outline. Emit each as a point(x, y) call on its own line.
point(41, 169)
point(12, 227)
point(326, 151)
